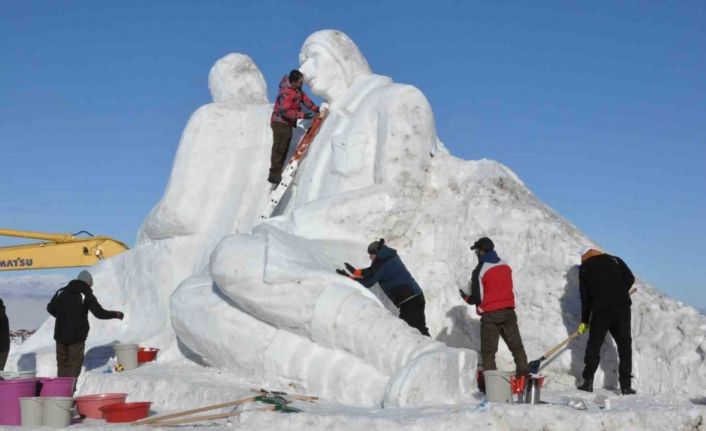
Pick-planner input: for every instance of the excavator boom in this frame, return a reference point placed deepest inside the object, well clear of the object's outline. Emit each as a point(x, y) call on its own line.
point(59, 251)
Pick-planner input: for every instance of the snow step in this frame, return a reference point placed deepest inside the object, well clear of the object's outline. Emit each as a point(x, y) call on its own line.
point(291, 169)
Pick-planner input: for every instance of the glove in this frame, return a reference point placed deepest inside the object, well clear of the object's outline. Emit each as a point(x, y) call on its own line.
point(342, 272)
point(465, 297)
point(119, 315)
point(308, 116)
point(582, 328)
point(350, 268)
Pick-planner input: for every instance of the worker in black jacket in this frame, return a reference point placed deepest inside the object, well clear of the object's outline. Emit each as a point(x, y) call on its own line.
point(605, 282)
point(395, 280)
point(4, 336)
point(70, 305)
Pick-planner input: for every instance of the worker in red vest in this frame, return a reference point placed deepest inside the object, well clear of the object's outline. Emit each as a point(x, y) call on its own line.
point(490, 290)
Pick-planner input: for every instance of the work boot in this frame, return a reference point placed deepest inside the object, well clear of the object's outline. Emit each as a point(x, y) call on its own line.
point(626, 387)
point(627, 391)
point(586, 386)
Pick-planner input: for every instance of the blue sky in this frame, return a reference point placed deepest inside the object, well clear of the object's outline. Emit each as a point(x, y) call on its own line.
point(600, 107)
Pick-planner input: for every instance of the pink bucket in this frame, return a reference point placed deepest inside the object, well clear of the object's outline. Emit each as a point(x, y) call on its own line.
point(10, 393)
point(57, 386)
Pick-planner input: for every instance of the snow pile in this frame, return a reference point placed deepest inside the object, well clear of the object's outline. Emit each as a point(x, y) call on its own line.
point(210, 284)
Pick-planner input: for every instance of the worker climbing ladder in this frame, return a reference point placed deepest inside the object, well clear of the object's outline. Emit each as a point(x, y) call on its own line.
point(290, 170)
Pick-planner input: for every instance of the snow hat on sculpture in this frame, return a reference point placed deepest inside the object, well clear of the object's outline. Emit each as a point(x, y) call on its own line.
point(339, 63)
point(343, 49)
point(235, 77)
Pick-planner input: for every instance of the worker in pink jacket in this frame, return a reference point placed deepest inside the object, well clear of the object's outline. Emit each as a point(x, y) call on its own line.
point(287, 110)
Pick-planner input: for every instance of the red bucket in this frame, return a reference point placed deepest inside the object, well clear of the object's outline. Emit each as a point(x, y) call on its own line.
point(126, 412)
point(146, 354)
point(517, 384)
point(89, 405)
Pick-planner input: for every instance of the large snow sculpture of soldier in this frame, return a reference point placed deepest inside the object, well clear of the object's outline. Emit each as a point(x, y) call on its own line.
point(363, 178)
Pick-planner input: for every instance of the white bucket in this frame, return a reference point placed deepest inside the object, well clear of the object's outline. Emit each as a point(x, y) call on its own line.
point(57, 411)
point(497, 386)
point(7, 375)
point(126, 355)
point(27, 374)
point(31, 411)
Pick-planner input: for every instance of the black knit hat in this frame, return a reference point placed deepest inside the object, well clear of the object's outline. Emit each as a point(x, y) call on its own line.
point(484, 244)
point(375, 246)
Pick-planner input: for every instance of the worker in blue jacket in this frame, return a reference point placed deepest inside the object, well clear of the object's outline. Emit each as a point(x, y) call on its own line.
point(395, 280)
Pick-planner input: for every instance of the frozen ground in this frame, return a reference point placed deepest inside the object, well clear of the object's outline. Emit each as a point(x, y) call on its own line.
point(166, 384)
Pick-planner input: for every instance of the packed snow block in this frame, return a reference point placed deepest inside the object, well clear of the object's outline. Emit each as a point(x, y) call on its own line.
point(224, 318)
point(268, 356)
point(431, 378)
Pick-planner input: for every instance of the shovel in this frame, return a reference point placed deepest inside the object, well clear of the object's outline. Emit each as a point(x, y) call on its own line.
point(534, 365)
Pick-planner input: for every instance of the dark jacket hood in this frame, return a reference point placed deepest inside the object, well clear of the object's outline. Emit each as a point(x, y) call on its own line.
point(489, 257)
point(78, 286)
point(386, 252)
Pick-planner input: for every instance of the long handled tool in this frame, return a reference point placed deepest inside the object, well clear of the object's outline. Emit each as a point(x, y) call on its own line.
point(534, 365)
point(207, 417)
point(277, 401)
point(194, 411)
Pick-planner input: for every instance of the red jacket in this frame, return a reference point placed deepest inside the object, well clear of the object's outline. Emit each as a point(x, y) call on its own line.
point(491, 285)
point(288, 104)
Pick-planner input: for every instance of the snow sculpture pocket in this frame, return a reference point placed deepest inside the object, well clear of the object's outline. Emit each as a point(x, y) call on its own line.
point(348, 153)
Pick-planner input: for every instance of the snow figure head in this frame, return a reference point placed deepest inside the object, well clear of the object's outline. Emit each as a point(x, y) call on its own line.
point(236, 78)
point(331, 62)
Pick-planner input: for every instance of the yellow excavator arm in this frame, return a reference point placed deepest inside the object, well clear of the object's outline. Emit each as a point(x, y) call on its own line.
point(57, 251)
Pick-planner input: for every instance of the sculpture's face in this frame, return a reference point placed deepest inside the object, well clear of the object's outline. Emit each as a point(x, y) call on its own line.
point(321, 71)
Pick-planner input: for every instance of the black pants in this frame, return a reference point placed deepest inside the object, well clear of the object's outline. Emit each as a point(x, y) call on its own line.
point(3, 360)
point(615, 320)
point(412, 312)
point(496, 324)
point(281, 135)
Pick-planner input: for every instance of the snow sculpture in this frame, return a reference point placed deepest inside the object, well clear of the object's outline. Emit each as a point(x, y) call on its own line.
point(220, 141)
point(363, 177)
point(200, 206)
point(266, 302)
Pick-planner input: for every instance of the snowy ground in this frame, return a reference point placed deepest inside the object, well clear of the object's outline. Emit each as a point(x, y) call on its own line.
point(165, 386)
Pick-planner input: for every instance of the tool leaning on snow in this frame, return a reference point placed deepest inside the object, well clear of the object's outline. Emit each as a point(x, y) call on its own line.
point(291, 169)
point(536, 364)
point(274, 400)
